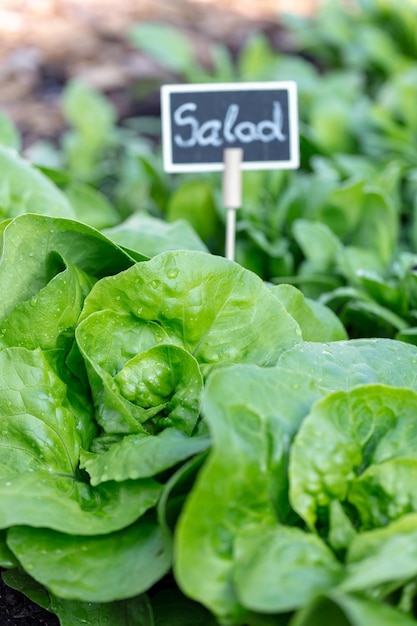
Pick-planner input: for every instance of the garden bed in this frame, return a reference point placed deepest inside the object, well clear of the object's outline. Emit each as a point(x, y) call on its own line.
point(187, 439)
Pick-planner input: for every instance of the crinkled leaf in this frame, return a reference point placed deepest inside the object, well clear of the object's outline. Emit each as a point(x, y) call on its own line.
point(165, 376)
point(39, 480)
point(210, 306)
point(38, 430)
point(346, 435)
point(134, 377)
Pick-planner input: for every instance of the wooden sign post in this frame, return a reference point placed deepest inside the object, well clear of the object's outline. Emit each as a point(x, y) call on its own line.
point(232, 195)
point(230, 127)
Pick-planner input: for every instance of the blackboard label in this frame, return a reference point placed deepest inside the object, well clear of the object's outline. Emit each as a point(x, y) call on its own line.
point(200, 121)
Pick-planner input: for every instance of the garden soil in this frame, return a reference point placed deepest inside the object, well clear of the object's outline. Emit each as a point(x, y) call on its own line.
point(45, 43)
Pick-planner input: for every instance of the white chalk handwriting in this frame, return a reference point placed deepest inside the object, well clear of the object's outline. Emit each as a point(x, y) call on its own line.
point(217, 132)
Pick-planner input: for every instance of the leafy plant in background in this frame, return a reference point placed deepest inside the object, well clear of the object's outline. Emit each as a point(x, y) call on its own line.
point(107, 171)
point(354, 66)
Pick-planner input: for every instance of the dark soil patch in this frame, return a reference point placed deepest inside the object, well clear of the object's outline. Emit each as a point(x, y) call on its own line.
point(17, 610)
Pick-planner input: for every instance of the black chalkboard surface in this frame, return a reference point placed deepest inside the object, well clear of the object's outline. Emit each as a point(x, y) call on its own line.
point(200, 121)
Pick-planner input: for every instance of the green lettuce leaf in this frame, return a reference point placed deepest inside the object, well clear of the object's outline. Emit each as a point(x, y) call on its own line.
point(252, 414)
point(349, 610)
point(48, 319)
point(42, 499)
point(150, 235)
point(40, 483)
point(129, 612)
point(141, 455)
point(346, 364)
point(139, 557)
point(146, 333)
point(33, 247)
point(278, 569)
point(357, 447)
point(134, 377)
point(317, 322)
point(382, 556)
point(210, 306)
point(24, 189)
point(38, 430)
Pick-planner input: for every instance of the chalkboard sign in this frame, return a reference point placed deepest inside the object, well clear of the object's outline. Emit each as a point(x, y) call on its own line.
point(200, 121)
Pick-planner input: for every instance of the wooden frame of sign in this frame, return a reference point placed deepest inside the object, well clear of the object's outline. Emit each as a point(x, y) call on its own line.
point(201, 121)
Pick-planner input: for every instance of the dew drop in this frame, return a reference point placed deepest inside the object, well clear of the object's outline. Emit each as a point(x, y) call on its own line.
point(230, 353)
point(172, 273)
